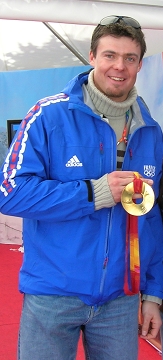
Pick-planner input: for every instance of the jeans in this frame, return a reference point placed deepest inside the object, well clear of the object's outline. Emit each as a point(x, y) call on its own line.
point(50, 328)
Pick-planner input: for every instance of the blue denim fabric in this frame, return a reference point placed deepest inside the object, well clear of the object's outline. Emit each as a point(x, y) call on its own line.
point(51, 325)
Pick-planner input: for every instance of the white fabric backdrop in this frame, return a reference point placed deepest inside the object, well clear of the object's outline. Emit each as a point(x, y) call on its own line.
point(10, 230)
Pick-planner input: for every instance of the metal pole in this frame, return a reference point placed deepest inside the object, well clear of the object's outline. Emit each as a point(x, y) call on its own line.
point(71, 48)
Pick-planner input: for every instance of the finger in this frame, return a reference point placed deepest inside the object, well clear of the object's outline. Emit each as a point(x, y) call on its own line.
point(148, 181)
point(152, 333)
point(137, 196)
point(126, 174)
point(145, 326)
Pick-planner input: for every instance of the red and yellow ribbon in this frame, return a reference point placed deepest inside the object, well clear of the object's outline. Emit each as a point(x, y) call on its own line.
point(132, 247)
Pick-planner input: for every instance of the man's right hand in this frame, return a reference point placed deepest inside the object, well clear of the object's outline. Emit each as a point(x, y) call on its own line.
point(118, 180)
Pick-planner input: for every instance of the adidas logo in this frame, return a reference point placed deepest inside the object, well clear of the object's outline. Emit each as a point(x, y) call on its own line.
point(74, 161)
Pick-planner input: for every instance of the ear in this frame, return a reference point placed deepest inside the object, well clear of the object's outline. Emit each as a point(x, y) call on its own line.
point(139, 66)
point(91, 58)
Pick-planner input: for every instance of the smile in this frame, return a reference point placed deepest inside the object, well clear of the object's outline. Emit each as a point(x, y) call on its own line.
point(116, 78)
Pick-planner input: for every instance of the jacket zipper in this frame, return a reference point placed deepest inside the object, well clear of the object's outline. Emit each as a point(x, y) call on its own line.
point(108, 227)
point(106, 258)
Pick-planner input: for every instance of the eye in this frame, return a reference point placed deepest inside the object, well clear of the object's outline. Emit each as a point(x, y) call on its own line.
point(110, 56)
point(130, 59)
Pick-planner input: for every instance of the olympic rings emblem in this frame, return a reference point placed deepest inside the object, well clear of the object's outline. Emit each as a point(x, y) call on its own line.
point(149, 170)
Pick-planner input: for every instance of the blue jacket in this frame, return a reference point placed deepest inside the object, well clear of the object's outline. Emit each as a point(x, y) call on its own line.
point(71, 249)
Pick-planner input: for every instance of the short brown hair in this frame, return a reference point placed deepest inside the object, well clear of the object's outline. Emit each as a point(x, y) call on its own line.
point(118, 30)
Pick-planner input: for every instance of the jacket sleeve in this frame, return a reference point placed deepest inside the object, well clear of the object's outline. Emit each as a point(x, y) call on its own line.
point(154, 271)
point(160, 197)
point(26, 189)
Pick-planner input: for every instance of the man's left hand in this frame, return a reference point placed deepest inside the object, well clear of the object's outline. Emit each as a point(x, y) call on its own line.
point(151, 320)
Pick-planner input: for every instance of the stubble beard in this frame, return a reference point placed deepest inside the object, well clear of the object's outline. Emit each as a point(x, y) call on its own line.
point(114, 95)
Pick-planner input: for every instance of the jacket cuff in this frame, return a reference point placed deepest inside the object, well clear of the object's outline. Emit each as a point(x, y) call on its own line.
point(152, 299)
point(102, 194)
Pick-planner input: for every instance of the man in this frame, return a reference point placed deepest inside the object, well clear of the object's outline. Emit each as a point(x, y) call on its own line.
point(73, 156)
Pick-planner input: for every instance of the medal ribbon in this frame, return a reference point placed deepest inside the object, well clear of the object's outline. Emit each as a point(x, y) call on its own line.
point(124, 133)
point(132, 247)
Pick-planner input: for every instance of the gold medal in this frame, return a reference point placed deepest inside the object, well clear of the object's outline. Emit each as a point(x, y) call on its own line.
point(137, 209)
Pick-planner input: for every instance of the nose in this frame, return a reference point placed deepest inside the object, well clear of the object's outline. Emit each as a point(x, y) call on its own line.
point(119, 63)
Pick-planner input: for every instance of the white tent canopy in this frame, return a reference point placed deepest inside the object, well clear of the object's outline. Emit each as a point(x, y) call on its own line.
point(37, 34)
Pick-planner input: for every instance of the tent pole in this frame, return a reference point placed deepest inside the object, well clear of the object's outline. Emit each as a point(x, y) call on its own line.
point(71, 48)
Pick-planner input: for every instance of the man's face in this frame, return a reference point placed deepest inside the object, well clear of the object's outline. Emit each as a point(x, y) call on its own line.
point(116, 65)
